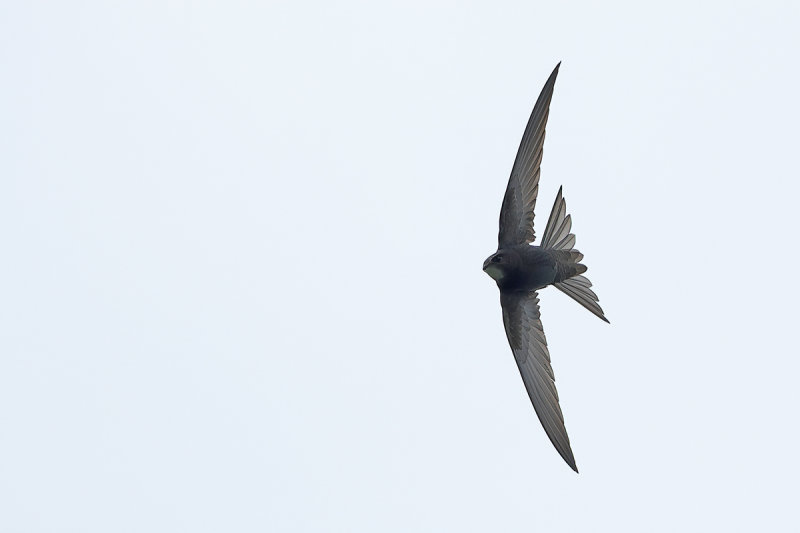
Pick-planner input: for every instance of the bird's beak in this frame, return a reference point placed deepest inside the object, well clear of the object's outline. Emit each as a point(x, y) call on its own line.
point(487, 262)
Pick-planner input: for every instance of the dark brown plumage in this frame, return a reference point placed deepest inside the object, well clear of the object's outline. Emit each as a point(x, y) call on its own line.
point(521, 269)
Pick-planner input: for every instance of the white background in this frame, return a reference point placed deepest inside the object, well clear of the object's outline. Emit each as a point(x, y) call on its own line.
point(241, 285)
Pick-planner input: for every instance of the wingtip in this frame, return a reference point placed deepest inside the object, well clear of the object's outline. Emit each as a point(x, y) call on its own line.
point(571, 463)
point(567, 456)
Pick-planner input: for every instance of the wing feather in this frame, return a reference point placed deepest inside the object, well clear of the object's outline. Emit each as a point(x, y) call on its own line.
point(519, 202)
point(523, 325)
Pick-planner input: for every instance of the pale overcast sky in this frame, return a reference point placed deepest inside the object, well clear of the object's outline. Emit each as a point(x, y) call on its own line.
point(241, 283)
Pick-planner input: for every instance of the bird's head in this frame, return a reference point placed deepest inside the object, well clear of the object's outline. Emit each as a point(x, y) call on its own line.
point(500, 264)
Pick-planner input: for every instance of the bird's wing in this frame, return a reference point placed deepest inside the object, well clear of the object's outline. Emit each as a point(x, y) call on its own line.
point(527, 340)
point(516, 215)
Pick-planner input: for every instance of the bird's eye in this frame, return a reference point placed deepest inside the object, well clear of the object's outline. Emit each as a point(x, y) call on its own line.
point(497, 258)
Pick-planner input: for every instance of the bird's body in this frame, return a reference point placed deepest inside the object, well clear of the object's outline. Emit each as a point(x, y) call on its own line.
point(526, 267)
point(521, 268)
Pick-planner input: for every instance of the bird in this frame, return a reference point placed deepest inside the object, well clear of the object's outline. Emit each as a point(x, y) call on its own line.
point(521, 269)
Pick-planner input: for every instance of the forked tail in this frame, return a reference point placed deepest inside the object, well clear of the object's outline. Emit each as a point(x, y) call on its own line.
point(557, 236)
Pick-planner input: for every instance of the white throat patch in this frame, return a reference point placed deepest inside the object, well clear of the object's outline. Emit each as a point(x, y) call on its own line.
point(495, 272)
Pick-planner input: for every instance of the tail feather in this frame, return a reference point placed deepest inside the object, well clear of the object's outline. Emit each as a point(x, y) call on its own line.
point(557, 236)
point(558, 226)
point(577, 288)
point(566, 243)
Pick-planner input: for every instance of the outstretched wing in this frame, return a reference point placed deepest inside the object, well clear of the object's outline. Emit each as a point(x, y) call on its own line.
point(516, 214)
point(527, 340)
